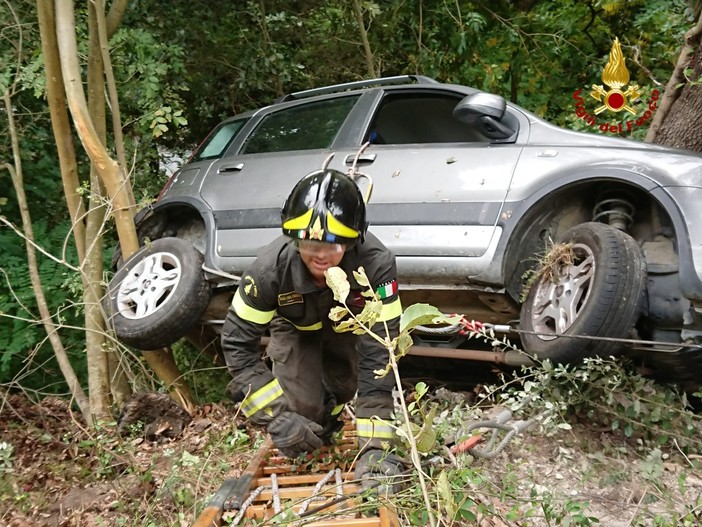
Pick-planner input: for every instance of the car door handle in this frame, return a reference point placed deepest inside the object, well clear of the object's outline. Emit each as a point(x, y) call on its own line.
point(230, 168)
point(363, 158)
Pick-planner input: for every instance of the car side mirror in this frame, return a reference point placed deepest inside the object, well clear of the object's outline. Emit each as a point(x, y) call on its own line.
point(486, 112)
point(478, 104)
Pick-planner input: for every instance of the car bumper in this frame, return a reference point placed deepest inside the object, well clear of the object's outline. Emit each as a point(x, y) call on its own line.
point(685, 207)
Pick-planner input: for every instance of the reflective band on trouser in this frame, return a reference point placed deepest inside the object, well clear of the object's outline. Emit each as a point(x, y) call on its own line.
point(248, 313)
point(373, 428)
point(312, 327)
point(390, 311)
point(261, 398)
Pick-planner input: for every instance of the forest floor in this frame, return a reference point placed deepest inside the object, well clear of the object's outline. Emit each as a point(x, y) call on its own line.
point(57, 473)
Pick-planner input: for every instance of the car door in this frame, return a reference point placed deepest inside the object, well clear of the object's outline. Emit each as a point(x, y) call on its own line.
point(439, 184)
point(247, 190)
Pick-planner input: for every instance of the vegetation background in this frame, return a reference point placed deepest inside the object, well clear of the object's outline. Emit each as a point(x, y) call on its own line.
point(182, 66)
point(177, 68)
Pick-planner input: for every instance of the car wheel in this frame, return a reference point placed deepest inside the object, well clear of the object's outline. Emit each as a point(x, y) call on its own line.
point(158, 295)
point(598, 292)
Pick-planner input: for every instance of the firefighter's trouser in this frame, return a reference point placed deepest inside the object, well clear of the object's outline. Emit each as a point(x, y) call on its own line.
point(313, 368)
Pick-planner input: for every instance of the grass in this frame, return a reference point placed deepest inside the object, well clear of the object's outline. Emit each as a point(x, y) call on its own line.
point(607, 447)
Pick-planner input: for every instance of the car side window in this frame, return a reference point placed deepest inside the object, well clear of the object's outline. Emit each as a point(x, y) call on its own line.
point(218, 141)
point(303, 127)
point(404, 118)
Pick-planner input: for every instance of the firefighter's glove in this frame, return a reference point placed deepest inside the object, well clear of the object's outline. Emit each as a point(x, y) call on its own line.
point(380, 472)
point(294, 434)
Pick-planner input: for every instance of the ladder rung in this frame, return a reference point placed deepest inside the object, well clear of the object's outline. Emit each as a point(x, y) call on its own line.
point(305, 492)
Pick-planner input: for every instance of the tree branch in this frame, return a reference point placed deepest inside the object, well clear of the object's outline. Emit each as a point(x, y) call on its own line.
point(111, 87)
point(47, 321)
point(370, 61)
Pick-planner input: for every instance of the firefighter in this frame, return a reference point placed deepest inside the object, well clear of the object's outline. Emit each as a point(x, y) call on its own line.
point(314, 369)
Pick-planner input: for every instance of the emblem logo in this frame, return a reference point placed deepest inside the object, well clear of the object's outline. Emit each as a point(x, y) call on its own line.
point(616, 97)
point(615, 75)
point(316, 231)
point(250, 286)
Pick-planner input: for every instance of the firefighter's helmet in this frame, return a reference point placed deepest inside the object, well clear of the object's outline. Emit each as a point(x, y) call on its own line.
point(326, 206)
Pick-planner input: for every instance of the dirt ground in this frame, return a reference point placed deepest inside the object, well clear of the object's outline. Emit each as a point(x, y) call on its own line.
point(59, 474)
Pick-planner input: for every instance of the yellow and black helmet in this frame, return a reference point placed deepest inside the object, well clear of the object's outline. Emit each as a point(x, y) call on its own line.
point(327, 206)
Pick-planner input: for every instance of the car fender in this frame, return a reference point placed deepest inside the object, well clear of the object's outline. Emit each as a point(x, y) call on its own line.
point(154, 219)
point(516, 213)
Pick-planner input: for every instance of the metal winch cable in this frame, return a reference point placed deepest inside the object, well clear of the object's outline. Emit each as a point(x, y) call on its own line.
point(246, 504)
point(443, 330)
point(501, 423)
point(475, 327)
point(276, 494)
point(318, 488)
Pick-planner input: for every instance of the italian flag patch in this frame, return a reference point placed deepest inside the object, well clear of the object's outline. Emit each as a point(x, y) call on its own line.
point(387, 289)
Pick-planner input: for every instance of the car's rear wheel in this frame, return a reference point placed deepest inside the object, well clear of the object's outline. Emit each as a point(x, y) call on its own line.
point(596, 289)
point(158, 295)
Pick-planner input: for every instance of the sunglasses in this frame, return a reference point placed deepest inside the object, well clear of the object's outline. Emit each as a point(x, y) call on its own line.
point(311, 247)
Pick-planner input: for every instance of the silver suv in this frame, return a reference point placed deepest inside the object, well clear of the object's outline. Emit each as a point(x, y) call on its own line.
point(578, 244)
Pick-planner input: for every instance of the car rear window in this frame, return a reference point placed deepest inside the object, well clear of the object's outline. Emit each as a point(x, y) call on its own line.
point(303, 127)
point(218, 141)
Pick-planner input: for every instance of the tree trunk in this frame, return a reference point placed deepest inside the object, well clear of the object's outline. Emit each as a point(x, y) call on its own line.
point(55, 93)
point(98, 369)
point(51, 328)
point(367, 52)
point(111, 175)
point(681, 127)
point(676, 121)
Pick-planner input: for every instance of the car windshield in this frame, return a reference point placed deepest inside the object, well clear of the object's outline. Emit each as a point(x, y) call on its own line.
point(218, 141)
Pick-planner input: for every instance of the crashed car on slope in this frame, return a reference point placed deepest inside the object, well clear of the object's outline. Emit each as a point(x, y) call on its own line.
point(471, 193)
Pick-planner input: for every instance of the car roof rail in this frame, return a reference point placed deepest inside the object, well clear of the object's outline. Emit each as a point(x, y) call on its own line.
point(383, 81)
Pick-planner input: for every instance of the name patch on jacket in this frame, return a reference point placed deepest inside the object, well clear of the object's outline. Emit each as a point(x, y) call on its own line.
point(286, 299)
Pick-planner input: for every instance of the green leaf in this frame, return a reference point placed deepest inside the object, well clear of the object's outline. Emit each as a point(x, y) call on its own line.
point(422, 314)
point(443, 487)
point(337, 313)
point(379, 374)
point(187, 459)
point(371, 312)
point(346, 325)
point(403, 343)
point(338, 283)
point(361, 277)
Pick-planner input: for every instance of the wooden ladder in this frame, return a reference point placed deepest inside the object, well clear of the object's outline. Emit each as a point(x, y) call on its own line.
point(296, 484)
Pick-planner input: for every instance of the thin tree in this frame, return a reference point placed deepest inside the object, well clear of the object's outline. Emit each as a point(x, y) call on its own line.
point(108, 177)
point(367, 52)
point(675, 122)
point(17, 175)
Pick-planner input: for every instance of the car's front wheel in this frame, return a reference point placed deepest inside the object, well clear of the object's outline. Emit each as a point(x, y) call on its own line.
point(595, 288)
point(158, 295)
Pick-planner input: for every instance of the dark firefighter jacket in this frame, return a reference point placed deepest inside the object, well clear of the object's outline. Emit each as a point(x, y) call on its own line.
point(279, 283)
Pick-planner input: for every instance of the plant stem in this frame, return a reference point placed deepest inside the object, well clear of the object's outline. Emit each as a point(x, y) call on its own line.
point(410, 436)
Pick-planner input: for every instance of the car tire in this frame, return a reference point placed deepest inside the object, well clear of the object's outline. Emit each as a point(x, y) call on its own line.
point(158, 295)
point(599, 294)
